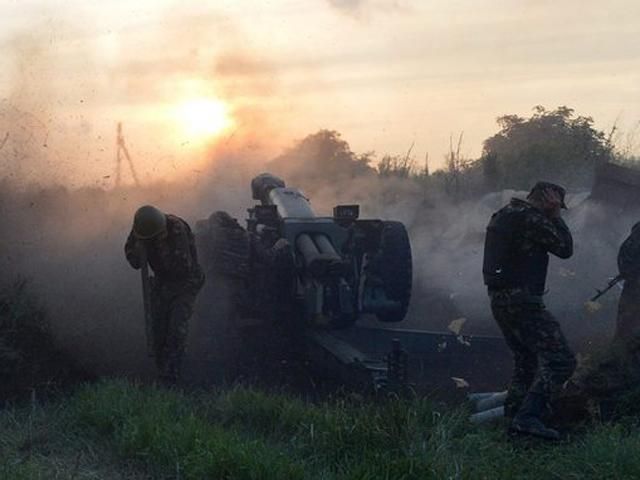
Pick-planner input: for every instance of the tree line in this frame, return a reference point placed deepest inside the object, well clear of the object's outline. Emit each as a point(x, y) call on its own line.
point(556, 145)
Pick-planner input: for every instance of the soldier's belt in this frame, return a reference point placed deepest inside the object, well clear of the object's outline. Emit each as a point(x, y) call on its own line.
point(516, 296)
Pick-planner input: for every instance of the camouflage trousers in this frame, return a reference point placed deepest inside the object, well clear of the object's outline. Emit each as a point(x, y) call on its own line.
point(542, 357)
point(172, 309)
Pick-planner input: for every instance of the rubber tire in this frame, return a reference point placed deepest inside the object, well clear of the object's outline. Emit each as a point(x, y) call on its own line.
point(396, 269)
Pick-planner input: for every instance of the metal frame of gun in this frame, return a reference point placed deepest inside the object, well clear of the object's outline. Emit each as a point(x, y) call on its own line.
point(146, 297)
point(612, 283)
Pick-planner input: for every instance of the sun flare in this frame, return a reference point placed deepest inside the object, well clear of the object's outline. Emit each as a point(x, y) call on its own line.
point(203, 118)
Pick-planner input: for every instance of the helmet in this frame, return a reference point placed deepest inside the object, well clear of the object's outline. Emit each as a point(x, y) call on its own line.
point(149, 222)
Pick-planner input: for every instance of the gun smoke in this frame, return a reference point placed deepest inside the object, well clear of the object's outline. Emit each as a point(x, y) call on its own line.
point(68, 239)
point(69, 243)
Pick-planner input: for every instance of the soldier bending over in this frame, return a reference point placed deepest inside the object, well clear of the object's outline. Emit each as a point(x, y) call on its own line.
point(171, 254)
point(519, 238)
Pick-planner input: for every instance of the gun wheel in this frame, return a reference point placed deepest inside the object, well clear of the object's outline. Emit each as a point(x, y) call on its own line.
point(395, 270)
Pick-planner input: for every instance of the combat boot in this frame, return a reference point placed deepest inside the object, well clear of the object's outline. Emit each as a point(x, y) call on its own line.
point(527, 421)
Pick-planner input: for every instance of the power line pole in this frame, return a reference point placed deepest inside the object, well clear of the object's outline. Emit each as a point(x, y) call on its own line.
point(121, 149)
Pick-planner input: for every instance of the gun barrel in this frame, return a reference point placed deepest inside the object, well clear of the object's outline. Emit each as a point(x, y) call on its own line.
point(291, 203)
point(146, 298)
point(271, 190)
point(320, 258)
point(612, 283)
point(307, 248)
point(324, 245)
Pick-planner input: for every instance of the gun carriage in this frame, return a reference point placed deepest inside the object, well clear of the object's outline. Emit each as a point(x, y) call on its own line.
point(296, 266)
point(317, 276)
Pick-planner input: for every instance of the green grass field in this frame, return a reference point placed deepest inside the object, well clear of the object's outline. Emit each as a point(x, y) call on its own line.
point(117, 429)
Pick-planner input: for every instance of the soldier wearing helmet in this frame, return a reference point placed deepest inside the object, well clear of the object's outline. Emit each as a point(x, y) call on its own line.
point(170, 250)
point(519, 238)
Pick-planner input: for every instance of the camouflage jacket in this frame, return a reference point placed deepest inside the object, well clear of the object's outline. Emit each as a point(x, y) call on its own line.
point(173, 258)
point(629, 255)
point(519, 239)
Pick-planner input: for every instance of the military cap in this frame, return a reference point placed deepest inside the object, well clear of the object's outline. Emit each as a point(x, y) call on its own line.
point(542, 186)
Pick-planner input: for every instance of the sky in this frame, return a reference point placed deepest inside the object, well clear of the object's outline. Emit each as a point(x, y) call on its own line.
point(386, 74)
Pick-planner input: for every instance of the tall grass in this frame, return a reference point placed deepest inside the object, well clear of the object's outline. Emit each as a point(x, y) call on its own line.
point(118, 429)
point(247, 434)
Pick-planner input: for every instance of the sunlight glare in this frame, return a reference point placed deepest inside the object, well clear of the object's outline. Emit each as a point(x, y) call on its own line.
point(203, 118)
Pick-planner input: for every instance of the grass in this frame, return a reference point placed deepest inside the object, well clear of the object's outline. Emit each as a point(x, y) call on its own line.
point(40, 442)
point(119, 429)
point(115, 429)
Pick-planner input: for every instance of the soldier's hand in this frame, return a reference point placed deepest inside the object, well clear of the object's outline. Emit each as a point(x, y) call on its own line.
point(281, 243)
point(552, 203)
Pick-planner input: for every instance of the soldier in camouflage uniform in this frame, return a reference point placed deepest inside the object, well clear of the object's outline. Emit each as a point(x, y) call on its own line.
point(628, 320)
point(519, 239)
point(171, 254)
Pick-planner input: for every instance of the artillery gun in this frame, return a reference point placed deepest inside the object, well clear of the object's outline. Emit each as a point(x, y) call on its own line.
point(289, 265)
point(292, 284)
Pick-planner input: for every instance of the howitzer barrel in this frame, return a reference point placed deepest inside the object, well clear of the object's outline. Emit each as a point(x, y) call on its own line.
point(307, 248)
point(291, 203)
point(271, 190)
point(320, 261)
point(324, 245)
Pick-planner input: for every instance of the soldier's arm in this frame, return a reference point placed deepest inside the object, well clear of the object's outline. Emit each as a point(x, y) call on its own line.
point(132, 251)
point(181, 261)
point(552, 233)
point(629, 255)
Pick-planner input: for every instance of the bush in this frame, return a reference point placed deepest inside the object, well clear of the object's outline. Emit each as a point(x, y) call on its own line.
point(28, 357)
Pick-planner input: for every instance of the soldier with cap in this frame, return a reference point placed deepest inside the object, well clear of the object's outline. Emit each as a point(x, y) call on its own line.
point(519, 238)
point(169, 248)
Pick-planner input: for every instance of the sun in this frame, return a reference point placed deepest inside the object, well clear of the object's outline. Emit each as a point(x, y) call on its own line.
point(203, 118)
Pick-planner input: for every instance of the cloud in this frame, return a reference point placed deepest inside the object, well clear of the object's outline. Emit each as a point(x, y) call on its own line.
point(363, 8)
point(348, 6)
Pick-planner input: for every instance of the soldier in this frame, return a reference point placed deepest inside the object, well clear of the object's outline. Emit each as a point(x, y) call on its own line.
point(628, 319)
point(171, 253)
point(519, 239)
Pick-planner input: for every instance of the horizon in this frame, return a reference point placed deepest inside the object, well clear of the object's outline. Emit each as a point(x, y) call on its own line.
point(385, 74)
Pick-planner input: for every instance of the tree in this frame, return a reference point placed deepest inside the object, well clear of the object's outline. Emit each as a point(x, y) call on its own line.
point(321, 158)
point(552, 145)
point(490, 172)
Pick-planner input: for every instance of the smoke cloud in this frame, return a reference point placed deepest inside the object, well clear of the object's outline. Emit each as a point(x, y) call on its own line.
point(63, 219)
point(362, 8)
point(70, 243)
point(63, 225)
